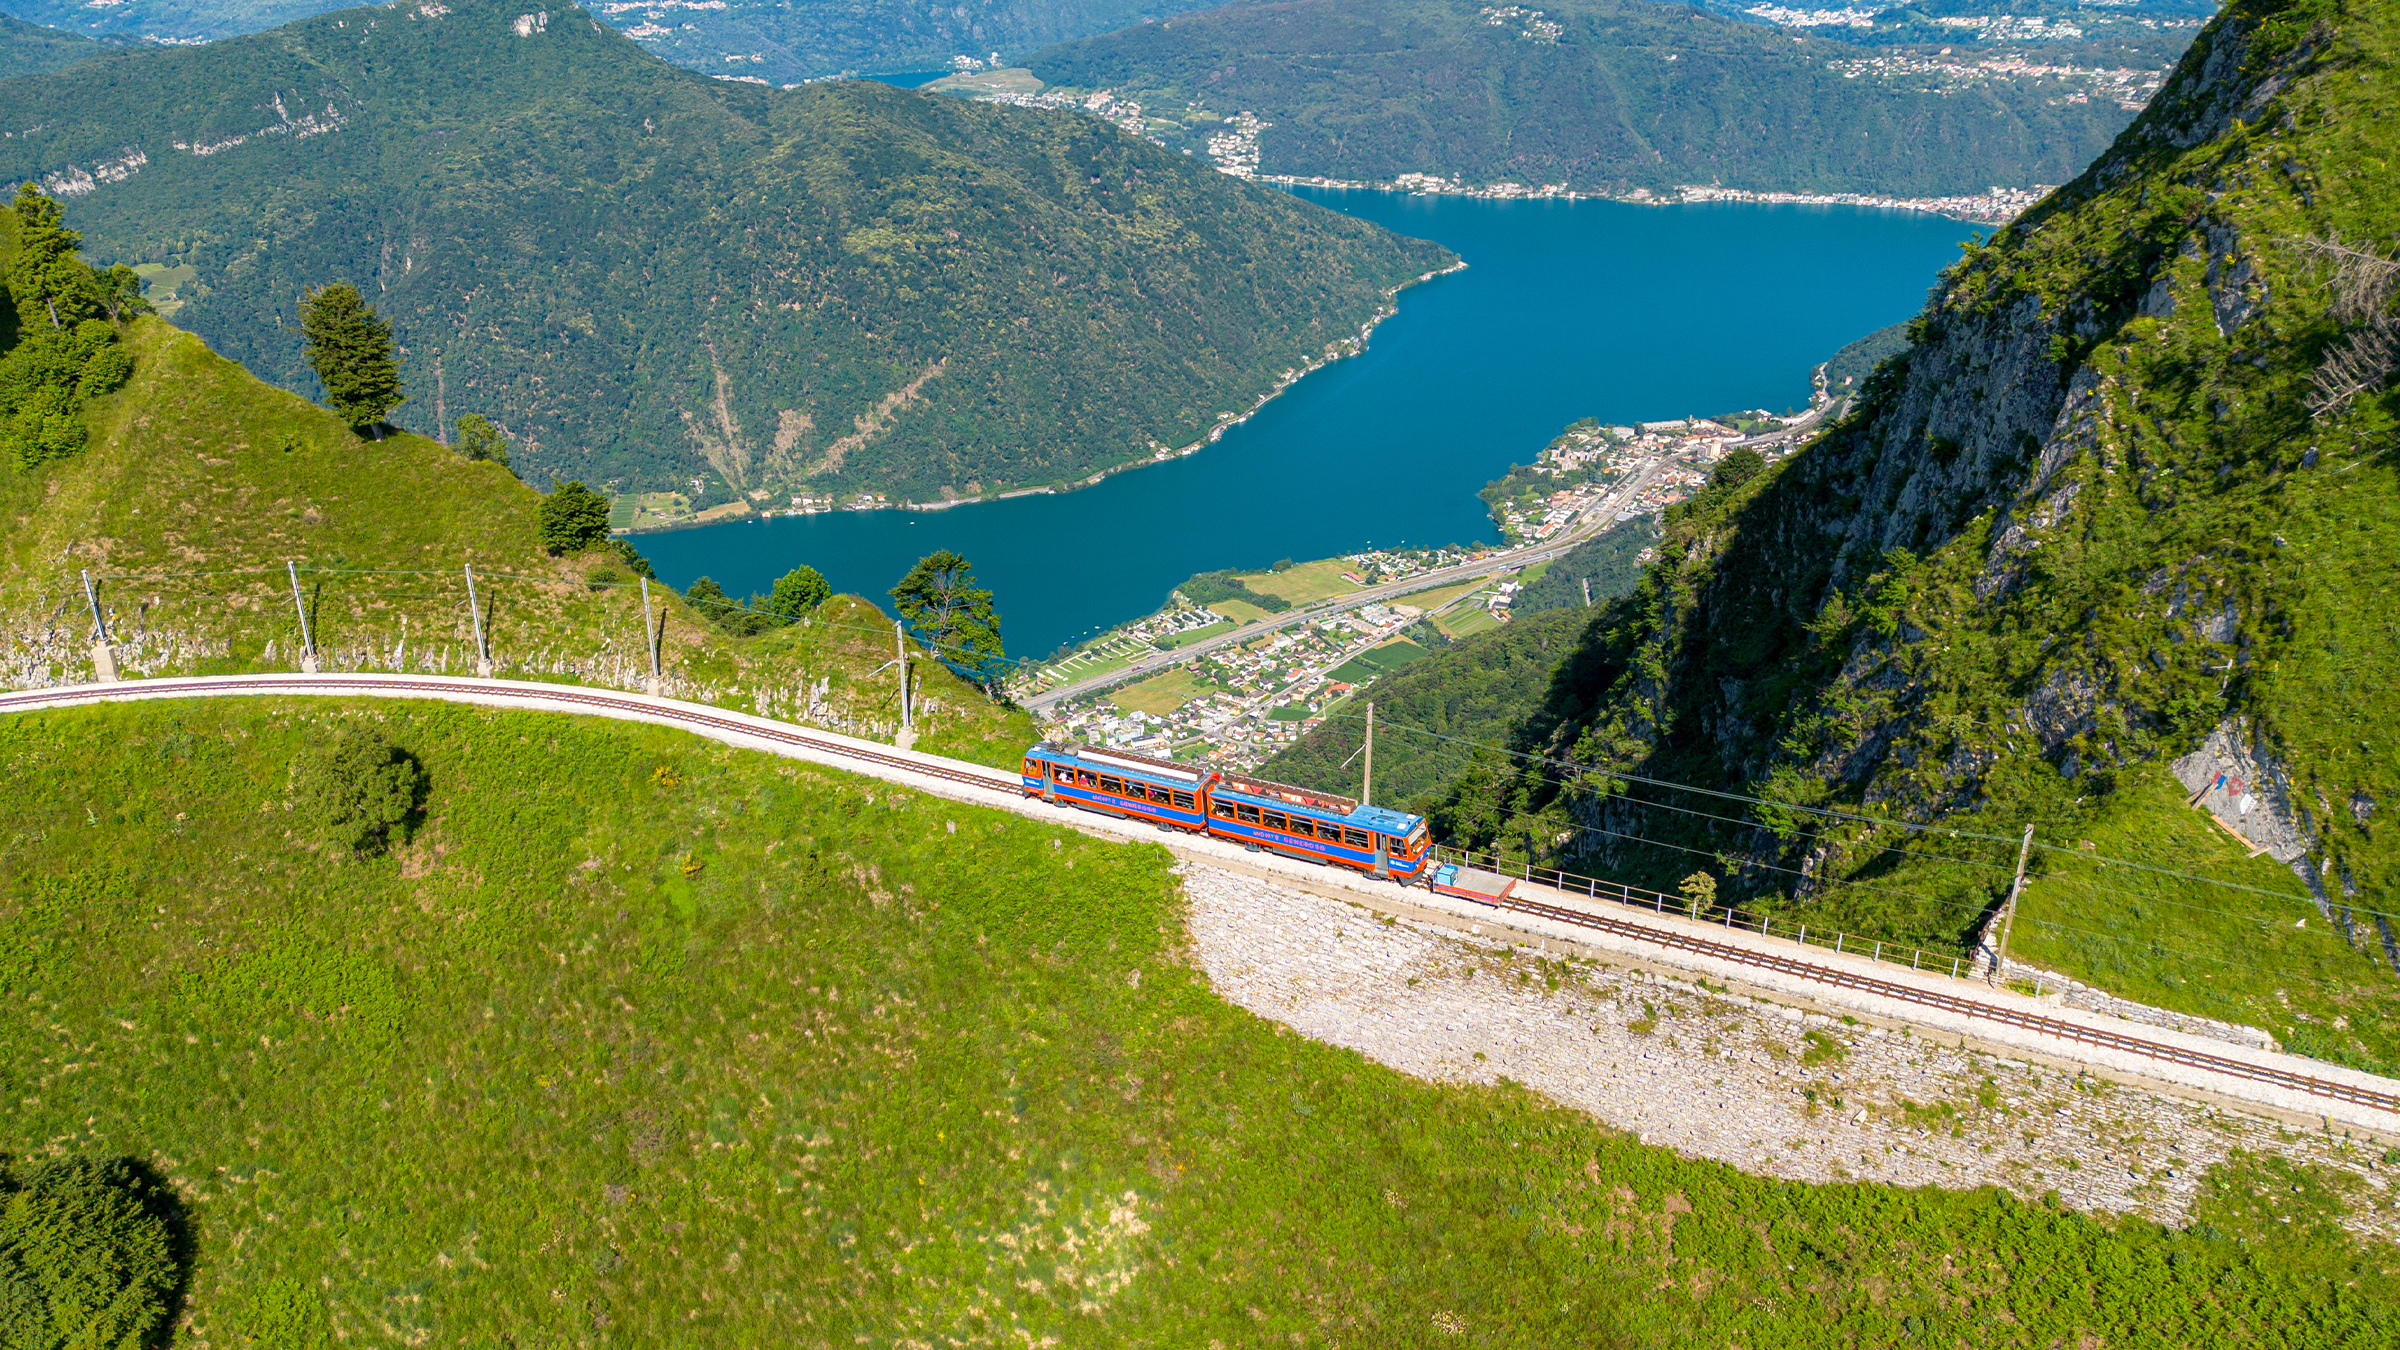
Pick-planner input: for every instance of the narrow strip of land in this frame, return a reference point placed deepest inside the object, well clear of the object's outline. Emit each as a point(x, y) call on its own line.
point(1592, 522)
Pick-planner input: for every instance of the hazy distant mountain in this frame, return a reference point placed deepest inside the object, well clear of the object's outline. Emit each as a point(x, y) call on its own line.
point(26, 48)
point(646, 275)
point(1611, 95)
point(775, 40)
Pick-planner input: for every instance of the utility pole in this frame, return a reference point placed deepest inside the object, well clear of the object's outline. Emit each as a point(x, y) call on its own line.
point(650, 640)
point(308, 644)
point(104, 658)
point(483, 645)
point(908, 731)
point(2008, 912)
point(1366, 781)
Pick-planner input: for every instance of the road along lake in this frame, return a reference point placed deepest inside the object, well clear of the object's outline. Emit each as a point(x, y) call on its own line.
point(1566, 310)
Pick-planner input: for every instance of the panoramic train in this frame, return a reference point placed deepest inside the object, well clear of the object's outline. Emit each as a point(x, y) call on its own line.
point(1274, 817)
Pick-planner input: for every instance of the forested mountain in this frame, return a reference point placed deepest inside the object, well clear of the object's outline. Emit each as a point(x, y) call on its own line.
point(643, 275)
point(2126, 504)
point(1608, 95)
point(27, 48)
point(773, 40)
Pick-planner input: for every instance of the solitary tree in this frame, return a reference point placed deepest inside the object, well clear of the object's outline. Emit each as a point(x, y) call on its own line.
point(1699, 894)
point(573, 518)
point(797, 592)
point(952, 615)
point(711, 600)
point(350, 348)
point(87, 1257)
point(52, 287)
point(478, 439)
point(358, 788)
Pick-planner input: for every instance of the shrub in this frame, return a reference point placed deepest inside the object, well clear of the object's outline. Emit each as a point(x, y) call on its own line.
point(478, 439)
point(798, 592)
point(356, 789)
point(573, 518)
point(87, 1256)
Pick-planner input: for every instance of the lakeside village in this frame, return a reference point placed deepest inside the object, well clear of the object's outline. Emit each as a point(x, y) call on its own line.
point(1231, 143)
point(1235, 706)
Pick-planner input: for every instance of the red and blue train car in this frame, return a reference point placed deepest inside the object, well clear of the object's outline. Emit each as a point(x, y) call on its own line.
point(1254, 812)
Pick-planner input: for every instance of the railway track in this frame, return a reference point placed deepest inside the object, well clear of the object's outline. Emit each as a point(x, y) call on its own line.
point(720, 724)
point(2098, 1037)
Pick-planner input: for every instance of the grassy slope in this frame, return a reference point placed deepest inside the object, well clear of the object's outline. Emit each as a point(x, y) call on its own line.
point(642, 1041)
point(644, 275)
point(200, 482)
point(1783, 645)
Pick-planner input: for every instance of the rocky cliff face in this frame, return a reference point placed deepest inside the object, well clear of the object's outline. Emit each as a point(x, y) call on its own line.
point(2106, 513)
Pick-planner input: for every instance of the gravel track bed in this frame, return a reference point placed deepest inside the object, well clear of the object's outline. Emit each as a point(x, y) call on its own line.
point(1765, 1088)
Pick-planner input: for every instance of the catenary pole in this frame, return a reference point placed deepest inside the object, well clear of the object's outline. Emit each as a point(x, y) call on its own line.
point(650, 637)
point(1366, 780)
point(308, 644)
point(92, 598)
point(483, 645)
point(2008, 912)
point(900, 660)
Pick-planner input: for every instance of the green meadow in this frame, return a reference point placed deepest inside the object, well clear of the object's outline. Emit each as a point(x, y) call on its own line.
point(630, 1039)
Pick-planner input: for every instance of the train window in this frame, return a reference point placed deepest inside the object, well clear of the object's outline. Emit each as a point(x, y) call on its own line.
point(1276, 821)
point(1184, 800)
point(1086, 777)
point(1030, 768)
point(1108, 784)
point(1304, 827)
point(1065, 774)
point(1357, 839)
point(1225, 809)
point(1160, 794)
point(1246, 813)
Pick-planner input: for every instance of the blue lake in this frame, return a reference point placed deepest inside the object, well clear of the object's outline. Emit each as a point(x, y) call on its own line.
point(1566, 310)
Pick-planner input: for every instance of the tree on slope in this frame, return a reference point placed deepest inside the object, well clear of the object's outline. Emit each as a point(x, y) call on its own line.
point(797, 593)
point(350, 348)
point(573, 518)
point(952, 615)
point(52, 287)
point(87, 1257)
point(478, 439)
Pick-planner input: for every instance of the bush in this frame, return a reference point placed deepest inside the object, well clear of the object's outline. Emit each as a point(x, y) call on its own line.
point(87, 1256)
point(46, 380)
point(355, 790)
point(573, 518)
point(478, 439)
point(798, 592)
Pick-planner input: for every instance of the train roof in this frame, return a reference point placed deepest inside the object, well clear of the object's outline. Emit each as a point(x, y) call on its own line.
point(1379, 818)
point(1126, 759)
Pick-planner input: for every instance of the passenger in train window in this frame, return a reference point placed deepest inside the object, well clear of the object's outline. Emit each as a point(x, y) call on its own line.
point(1357, 839)
point(1160, 795)
point(1183, 800)
point(1275, 821)
point(1087, 778)
point(1246, 813)
point(1066, 773)
point(1224, 809)
point(1108, 784)
point(1304, 827)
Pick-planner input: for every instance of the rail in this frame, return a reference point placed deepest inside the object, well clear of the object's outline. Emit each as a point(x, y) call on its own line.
point(1960, 1005)
point(1661, 902)
point(927, 766)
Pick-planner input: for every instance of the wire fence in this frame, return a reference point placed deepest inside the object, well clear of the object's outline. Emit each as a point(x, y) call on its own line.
point(1660, 902)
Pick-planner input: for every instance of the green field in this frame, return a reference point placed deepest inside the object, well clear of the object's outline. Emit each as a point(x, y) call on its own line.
point(1466, 621)
point(1376, 661)
point(635, 1040)
point(1179, 640)
point(1305, 583)
point(1163, 694)
point(1239, 611)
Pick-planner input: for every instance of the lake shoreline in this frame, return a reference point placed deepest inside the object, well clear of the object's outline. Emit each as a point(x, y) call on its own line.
point(1341, 349)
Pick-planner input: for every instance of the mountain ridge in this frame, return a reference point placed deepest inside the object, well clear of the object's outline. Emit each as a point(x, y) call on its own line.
point(642, 274)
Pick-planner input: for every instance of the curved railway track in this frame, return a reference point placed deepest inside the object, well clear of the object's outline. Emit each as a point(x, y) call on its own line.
point(567, 698)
